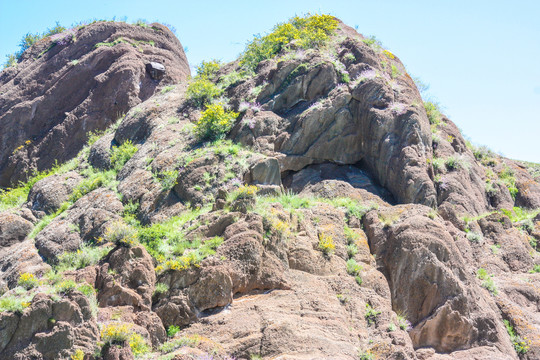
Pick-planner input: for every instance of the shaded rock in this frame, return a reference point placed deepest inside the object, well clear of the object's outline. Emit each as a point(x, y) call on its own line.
point(100, 152)
point(117, 352)
point(96, 90)
point(356, 177)
point(13, 229)
point(265, 172)
point(156, 70)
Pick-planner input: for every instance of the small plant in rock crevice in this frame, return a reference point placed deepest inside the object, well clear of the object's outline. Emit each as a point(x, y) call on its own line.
point(487, 282)
point(371, 314)
point(520, 345)
point(326, 243)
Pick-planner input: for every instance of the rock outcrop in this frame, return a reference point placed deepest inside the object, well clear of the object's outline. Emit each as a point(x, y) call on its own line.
point(78, 82)
point(337, 219)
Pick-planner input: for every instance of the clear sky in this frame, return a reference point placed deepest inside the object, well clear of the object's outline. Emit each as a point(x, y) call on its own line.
point(481, 58)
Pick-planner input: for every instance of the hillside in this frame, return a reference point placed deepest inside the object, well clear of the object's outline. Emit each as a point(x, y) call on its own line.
point(301, 202)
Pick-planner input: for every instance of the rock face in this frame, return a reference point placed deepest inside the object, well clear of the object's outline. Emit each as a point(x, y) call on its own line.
point(49, 329)
point(315, 117)
point(98, 75)
point(334, 221)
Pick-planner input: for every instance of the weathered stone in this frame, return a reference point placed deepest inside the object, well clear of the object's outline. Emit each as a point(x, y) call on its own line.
point(13, 229)
point(156, 70)
point(104, 84)
point(100, 152)
point(47, 195)
point(266, 172)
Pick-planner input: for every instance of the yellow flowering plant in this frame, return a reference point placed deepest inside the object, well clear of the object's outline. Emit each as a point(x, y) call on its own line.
point(27, 281)
point(118, 333)
point(214, 123)
point(326, 243)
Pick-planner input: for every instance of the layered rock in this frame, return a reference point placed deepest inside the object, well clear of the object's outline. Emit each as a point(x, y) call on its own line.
point(81, 81)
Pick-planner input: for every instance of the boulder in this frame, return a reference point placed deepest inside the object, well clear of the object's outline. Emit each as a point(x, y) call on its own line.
point(266, 172)
point(429, 282)
point(100, 152)
point(48, 194)
point(127, 277)
point(156, 70)
point(13, 229)
point(85, 221)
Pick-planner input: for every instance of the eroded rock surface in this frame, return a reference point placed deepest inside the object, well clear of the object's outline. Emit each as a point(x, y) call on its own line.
point(98, 75)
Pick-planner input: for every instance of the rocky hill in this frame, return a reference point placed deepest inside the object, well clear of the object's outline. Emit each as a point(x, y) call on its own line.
point(302, 202)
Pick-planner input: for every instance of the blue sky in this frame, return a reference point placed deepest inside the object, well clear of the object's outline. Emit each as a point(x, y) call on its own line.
point(480, 58)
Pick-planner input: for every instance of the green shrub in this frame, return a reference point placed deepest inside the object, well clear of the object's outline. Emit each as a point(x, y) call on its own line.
point(307, 32)
point(166, 89)
point(65, 286)
point(437, 164)
point(366, 355)
point(11, 60)
point(474, 237)
point(161, 288)
point(491, 190)
point(403, 323)
point(508, 178)
point(244, 192)
point(86, 186)
point(172, 330)
point(167, 179)
point(189, 341)
point(353, 268)
point(535, 269)
point(121, 154)
point(85, 256)
point(202, 91)
point(352, 250)
point(27, 281)
point(30, 39)
point(453, 163)
point(78, 355)
point(215, 123)
point(121, 233)
point(13, 304)
point(433, 113)
point(231, 79)
point(353, 208)
point(208, 69)
point(487, 283)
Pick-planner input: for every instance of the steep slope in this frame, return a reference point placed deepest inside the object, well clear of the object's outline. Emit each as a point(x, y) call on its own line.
point(74, 83)
point(337, 220)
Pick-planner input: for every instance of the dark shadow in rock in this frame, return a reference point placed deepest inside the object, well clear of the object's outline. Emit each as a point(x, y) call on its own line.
point(352, 174)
